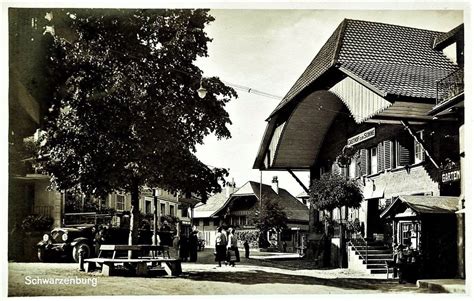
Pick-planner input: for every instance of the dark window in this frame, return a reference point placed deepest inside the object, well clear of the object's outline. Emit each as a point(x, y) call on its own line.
point(206, 222)
point(172, 210)
point(147, 207)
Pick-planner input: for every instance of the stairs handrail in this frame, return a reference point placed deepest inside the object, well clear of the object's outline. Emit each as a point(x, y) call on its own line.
point(360, 238)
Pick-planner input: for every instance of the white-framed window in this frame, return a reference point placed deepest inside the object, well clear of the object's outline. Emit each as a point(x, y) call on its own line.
point(352, 168)
point(163, 209)
point(410, 233)
point(120, 202)
point(419, 152)
point(172, 210)
point(373, 160)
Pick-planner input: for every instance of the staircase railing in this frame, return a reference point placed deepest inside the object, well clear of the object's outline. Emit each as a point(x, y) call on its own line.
point(357, 239)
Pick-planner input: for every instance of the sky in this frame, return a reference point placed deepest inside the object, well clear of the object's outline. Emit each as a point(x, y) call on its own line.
point(266, 47)
point(268, 50)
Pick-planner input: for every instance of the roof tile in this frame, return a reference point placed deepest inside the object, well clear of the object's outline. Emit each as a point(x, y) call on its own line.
point(397, 60)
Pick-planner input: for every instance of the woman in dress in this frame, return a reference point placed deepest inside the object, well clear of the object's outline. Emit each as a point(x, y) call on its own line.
point(221, 243)
point(233, 251)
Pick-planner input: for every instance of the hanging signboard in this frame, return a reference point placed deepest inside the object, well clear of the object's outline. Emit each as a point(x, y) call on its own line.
point(451, 176)
point(370, 133)
point(450, 172)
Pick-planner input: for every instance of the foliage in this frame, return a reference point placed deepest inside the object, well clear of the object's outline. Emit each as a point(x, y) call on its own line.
point(269, 216)
point(170, 219)
point(251, 236)
point(318, 227)
point(18, 152)
point(37, 223)
point(73, 203)
point(333, 191)
point(354, 226)
point(126, 112)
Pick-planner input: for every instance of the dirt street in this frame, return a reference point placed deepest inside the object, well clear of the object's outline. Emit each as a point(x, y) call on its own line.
point(251, 276)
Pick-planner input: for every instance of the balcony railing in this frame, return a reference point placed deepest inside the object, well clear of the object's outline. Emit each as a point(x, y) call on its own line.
point(450, 86)
point(43, 210)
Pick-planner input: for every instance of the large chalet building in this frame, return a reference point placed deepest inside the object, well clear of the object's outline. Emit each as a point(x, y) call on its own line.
point(234, 207)
point(390, 95)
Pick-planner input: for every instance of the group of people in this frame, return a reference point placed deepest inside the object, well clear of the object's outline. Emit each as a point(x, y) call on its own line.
point(406, 261)
point(226, 247)
point(188, 247)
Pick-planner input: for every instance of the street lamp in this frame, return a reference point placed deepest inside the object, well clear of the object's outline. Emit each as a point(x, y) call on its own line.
point(201, 91)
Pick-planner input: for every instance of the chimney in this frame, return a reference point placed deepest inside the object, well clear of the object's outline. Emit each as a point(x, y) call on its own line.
point(275, 184)
point(229, 188)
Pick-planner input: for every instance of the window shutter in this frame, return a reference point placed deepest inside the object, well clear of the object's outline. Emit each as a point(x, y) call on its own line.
point(380, 157)
point(358, 164)
point(364, 161)
point(404, 152)
point(388, 154)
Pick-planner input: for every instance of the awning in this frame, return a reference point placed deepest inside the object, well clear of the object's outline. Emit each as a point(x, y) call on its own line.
point(33, 177)
point(422, 204)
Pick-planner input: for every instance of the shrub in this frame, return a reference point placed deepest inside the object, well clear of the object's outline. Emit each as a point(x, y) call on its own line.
point(37, 223)
point(250, 235)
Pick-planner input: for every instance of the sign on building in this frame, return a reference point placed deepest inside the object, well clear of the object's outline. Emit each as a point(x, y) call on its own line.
point(451, 176)
point(370, 133)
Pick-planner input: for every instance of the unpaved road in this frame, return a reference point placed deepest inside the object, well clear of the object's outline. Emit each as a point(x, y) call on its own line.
point(251, 276)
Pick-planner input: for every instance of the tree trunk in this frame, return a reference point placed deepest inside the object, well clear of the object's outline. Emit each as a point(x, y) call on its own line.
point(134, 212)
point(342, 237)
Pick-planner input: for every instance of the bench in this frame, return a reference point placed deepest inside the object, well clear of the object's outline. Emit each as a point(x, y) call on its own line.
point(153, 249)
point(171, 266)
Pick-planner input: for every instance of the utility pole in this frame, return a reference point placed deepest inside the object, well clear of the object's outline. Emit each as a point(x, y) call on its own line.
point(155, 217)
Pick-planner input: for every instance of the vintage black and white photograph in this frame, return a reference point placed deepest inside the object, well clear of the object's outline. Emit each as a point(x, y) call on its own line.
point(260, 149)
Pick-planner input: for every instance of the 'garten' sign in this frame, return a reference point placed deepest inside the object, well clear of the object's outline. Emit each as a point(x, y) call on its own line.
point(361, 137)
point(451, 176)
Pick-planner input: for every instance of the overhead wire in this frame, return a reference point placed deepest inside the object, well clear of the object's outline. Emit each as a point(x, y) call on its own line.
point(237, 86)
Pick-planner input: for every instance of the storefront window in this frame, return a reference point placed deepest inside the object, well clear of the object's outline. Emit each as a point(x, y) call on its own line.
point(410, 234)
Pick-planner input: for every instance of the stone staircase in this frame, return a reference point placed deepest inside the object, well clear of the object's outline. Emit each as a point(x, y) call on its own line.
point(369, 257)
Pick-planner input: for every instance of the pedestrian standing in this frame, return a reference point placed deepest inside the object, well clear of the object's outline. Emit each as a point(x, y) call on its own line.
point(247, 249)
point(221, 243)
point(184, 247)
point(400, 262)
point(193, 246)
point(233, 250)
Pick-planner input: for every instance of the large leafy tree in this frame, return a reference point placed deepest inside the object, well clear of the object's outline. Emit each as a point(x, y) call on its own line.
point(270, 216)
point(126, 113)
point(333, 191)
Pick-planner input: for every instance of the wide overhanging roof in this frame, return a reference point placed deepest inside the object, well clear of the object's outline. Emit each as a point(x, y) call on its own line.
point(298, 142)
point(393, 69)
